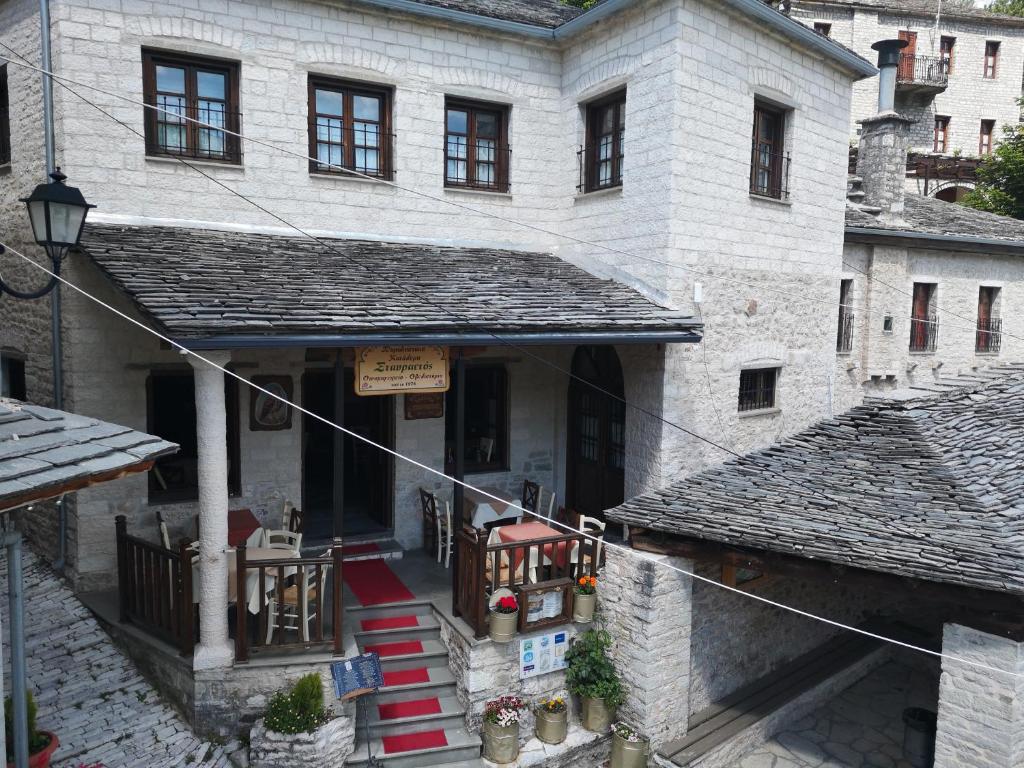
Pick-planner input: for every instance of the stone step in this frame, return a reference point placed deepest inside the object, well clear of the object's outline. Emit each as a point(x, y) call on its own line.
point(434, 654)
point(450, 715)
point(462, 746)
point(439, 681)
point(427, 628)
point(357, 613)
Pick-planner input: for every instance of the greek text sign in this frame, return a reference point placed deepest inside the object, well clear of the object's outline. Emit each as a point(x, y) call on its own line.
point(391, 370)
point(542, 654)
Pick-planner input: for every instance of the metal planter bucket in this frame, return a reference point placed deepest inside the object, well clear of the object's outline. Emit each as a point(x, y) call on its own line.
point(583, 608)
point(552, 727)
point(597, 715)
point(502, 628)
point(501, 745)
point(628, 754)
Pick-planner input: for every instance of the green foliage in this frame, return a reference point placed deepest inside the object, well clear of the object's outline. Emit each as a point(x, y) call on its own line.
point(37, 740)
point(1000, 187)
point(586, 5)
point(300, 709)
point(591, 672)
point(1012, 7)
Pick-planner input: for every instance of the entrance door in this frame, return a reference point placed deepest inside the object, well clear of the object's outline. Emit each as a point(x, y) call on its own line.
point(596, 456)
point(367, 471)
point(905, 70)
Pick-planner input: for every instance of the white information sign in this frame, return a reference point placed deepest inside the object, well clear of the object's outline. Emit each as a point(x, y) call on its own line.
point(542, 654)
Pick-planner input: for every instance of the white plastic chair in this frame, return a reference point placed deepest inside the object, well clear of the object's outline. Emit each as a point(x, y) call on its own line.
point(593, 527)
point(547, 510)
point(444, 530)
point(281, 539)
point(297, 601)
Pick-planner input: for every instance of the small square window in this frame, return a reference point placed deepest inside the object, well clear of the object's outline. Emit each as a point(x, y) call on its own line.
point(887, 324)
point(757, 388)
point(823, 28)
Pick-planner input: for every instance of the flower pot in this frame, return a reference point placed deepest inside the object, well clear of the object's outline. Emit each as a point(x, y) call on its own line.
point(552, 727)
point(628, 754)
point(583, 608)
point(501, 744)
point(503, 626)
point(597, 715)
point(41, 759)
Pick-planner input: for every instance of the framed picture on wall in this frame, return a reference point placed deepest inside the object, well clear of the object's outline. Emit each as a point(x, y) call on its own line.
point(266, 413)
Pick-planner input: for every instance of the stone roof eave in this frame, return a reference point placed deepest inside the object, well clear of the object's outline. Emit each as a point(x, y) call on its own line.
point(933, 240)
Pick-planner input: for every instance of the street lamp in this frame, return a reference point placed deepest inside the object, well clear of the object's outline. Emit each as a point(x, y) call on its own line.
point(57, 213)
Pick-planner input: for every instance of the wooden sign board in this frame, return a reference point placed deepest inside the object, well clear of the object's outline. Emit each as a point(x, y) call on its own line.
point(395, 370)
point(424, 405)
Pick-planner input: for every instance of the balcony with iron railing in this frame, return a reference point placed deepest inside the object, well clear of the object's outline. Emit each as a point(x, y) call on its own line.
point(194, 133)
point(341, 149)
point(924, 333)
point(844, 334)
point(989, 336)
point(769, 173)
point(922, 74)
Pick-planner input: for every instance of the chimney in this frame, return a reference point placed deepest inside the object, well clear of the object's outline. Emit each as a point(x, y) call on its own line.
point(884, 140)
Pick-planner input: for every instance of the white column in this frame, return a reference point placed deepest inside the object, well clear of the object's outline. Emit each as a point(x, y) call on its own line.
point(215, 649)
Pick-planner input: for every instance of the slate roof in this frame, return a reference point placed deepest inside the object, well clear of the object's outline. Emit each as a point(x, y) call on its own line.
point(922, 8)
point(931, 216)
point(930, 487)
point(198, 283)
point(44, 452)
point(538, 13)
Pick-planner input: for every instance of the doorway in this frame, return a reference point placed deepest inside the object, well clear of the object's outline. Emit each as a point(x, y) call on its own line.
point(596, 455)
point(367, 471)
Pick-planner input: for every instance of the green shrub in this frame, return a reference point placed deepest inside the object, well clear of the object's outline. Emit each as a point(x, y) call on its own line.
point(37, 741)
point(591, 672)
point(299, 709)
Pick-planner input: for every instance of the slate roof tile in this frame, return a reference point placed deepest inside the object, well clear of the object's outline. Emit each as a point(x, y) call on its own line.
point(929, 215)
point(538, 13)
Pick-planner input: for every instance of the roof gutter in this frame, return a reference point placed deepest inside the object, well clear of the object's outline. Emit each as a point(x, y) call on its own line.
point(966, 242)
point(684, 335)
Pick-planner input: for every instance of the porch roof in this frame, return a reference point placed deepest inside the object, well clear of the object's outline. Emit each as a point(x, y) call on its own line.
point(45, 452)
point(925, 485)
point(213, 288)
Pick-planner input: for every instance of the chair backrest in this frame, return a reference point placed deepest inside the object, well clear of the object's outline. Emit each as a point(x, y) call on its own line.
point(595, 528)
point(165, 537)
point(292, 518)
point(282, 539)
point(546, 510)
point(530, 496)
point(486, 447)
point(428, 505)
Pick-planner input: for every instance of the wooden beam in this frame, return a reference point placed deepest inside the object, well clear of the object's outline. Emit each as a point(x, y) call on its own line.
point(39, 495)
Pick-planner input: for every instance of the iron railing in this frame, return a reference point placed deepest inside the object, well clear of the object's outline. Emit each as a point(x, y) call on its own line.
point(5, 136)
point(362, 148)
point(757, 389)
point(489, 171)
point(844, 335)
point(989, 337)
point(924, 333)
point(596, 172)
point(769, 173)
point(914, 69)
point(170, 132)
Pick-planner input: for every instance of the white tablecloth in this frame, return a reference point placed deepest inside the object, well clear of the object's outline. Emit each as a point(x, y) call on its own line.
point(486, 510)
point(252, 595)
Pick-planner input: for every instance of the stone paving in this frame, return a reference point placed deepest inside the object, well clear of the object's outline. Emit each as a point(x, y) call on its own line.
point(860, 728)
point(90, 693)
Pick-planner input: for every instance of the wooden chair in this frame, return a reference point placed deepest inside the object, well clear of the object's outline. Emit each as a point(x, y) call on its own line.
point(595, 528)
point(428, 508)
point(545, 510)
point(444, 532)
point(504, 565)
point(292, 519)
point(282, 539)
point(300, 603)
point(530, 496)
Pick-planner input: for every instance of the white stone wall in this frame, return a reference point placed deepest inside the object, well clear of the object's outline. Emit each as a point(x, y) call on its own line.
point(981, 712)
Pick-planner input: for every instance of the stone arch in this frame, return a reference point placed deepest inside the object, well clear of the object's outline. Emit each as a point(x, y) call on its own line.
point(610, 72)
point(185, 29)
point(769, 83)
point(476, 78)
point(951, 191)
point(350, 58)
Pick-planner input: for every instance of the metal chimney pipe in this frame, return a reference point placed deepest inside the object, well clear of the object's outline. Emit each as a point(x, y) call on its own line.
point(888, 63)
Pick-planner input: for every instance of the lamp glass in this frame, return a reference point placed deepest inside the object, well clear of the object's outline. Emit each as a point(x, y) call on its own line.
point(37, 215)
point(65, 223)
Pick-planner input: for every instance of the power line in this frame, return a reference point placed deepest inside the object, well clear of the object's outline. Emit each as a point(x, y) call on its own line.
point(628, 551)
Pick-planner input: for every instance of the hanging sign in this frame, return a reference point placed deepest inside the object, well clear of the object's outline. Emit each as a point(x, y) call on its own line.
point(393, 370)
point(424, 405)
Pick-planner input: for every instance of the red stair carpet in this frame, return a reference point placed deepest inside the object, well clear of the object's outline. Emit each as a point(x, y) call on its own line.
point(391, 622)
point(395, 649)
point(359, 549)
point(406, 677)
point(409, 709)
point(410, 741)
point(374, 583)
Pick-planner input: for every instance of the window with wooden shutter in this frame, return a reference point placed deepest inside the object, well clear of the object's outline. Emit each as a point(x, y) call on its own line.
point(985, 137)
point(988, 338)
point(924, 324)
point(769, 165)
point(941, 133)
point(946, 45)
point(991, 58)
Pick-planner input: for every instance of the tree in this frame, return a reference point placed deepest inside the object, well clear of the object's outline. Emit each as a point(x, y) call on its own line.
point(1000, 186)
point(1012, 7)
point(588, 4)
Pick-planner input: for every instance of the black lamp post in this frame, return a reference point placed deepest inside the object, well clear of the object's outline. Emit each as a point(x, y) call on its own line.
point(57, 213)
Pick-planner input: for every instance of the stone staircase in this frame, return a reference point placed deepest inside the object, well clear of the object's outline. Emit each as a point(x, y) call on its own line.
point(416, 719)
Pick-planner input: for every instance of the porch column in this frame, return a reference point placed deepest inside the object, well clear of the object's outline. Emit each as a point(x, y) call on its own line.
point(981, 715)
point(214, 649)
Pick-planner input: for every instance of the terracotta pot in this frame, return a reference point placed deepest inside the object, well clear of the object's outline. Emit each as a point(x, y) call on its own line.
point(583, 608)
point(41, 759)
point(503, 626)
point(552, 727)
point(628, 754)
point(501, 745)
point(597, 715)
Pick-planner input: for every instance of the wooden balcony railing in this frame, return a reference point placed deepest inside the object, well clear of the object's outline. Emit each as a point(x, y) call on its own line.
point(300, 605)
point(155, 588)
point(484, 567)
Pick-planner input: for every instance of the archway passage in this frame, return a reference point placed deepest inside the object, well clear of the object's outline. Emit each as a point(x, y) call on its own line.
point(952, 194)
point(596, 455)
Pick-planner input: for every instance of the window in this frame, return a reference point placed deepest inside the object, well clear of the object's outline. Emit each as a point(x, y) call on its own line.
point(757, 388)
point(985, 138)
point(5, 118)
point(604, 151)
point(12, 378)
point(476, 146)
point(349, 128)
point(991, 58)
point(171, 414)
point(844, 334)
point(823, 28)
point(989, 335)
point(769, 167)
point(946, 45)
point(941, 133)
point(486, 427)
point(924, 325)
point(189, 88)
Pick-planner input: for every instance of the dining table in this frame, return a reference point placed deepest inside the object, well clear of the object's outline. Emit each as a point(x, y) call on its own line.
point(556, 552)
point(483, 509)
point(254, 600)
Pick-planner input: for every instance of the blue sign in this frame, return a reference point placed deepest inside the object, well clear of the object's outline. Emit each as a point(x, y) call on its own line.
point(361, 673)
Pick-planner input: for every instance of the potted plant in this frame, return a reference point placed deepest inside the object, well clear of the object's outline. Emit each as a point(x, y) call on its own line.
point(501, 729)
point(591, 676)
point(629, 748)
point(504, 619)
point(586, 599)
point(552, 720)
point(41, 744)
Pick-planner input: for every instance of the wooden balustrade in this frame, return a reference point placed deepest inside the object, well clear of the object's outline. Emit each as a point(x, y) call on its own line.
point(289, 593)
point(155, 588)
point(484, 568)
